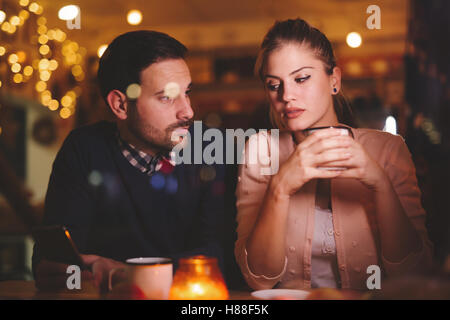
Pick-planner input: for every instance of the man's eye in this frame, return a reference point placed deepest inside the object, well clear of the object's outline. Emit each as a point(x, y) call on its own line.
point(273, 87)
point(165, 99)
point(302, 79)
point(188, 92)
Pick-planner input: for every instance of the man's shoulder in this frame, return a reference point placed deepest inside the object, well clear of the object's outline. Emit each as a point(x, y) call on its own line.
point(93, 131)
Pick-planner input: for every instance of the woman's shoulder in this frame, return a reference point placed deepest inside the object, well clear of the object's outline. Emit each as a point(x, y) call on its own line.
point(378, 142)
point(366, 134)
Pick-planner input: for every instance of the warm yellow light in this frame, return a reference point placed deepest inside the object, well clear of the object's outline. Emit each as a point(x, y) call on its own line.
point(77, 70)
point(65, 113)
point(2, 51)
point(60, 35)
point(46, 97)
point(13, 58)
point(42, 29)
point(53, 65)
point(44, 75)
point(78, 58)
point(354, 39)
point(39, 10)
point(2, 16)
point(12, 29)
point(21, 56)
point(69, 12)
point(18, 78)
point(15, 20)
point(0, 127)
point(44, 49)
point(71, 94)
point(74, 46)
point(51, 34)
point(33, 7)
point(101, 50)
point(41, 21)
point(16, 67)
point(80, 77)
point(41, 86)
point(28, 71)
point(134, 17)
point(6, 26)
point(24, 14)
point(66, 101)
point(53, 104)
point(43, 39)
point(198, 278)
point(44, 64)
point(24, 3)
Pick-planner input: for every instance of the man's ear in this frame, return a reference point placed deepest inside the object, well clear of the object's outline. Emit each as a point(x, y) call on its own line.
point(336, 80)
point(117, 102)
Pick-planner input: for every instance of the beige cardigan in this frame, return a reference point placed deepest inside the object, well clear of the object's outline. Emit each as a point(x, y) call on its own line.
point(355, 226)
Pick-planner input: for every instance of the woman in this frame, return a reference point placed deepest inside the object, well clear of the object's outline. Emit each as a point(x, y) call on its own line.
point(308, 227)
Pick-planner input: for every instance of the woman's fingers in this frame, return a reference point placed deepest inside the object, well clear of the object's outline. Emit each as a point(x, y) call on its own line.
point(320, 135)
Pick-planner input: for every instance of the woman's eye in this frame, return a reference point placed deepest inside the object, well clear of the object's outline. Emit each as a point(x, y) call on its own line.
point(302, 79)
point(273, 87)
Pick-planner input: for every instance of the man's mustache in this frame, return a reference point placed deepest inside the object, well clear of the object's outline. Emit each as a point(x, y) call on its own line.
point(181, 124)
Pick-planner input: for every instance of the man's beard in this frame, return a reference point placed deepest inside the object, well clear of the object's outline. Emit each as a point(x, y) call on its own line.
point(154, 138)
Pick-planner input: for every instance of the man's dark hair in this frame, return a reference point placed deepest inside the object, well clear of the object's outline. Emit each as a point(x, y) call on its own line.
point(132, 52)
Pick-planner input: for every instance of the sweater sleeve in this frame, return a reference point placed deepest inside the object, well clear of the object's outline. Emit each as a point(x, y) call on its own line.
point(250, 191)
point(68, 201)
point(401, 171)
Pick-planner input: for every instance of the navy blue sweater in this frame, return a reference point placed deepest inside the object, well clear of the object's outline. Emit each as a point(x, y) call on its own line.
point(114, 210)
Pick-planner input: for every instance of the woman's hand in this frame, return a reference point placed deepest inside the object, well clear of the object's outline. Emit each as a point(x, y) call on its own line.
point(321, 149)
point(361, 166)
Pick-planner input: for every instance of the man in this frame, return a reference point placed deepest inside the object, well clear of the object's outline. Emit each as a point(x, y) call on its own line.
point(112, 184)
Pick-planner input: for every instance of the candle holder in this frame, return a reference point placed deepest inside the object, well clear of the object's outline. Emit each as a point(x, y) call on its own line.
point(198, 278)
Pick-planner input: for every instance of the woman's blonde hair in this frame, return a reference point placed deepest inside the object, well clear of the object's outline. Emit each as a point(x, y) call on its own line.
point(300, 32)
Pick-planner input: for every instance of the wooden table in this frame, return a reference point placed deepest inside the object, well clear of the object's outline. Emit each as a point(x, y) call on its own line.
point(26, 290)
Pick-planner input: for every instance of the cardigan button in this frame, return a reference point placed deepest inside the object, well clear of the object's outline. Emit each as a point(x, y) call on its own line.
point(342, 267)
point(292, 249)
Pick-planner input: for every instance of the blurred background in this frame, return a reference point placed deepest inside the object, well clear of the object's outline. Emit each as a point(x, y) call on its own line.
point(396, 78)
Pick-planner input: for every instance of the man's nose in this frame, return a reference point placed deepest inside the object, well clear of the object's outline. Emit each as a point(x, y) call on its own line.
point(184, 108)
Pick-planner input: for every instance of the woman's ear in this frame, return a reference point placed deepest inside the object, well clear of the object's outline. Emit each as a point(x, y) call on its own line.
point(335, 80)
point(117, 102)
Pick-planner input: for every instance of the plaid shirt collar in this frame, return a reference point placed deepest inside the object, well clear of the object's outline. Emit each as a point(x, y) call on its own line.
point(142, 161)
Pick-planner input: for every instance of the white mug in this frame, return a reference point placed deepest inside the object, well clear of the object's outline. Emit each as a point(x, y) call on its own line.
point(344, 131)
point(152, 275)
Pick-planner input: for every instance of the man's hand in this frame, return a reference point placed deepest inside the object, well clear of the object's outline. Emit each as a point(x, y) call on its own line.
point(100, 268)
point(53, 275)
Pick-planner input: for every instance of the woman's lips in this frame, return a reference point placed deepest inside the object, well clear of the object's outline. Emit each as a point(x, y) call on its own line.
point(293, 113)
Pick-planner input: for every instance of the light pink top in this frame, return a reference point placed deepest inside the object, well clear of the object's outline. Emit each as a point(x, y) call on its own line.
point(354, 222)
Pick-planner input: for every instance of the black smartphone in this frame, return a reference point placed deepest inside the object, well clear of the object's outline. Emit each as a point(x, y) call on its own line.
point(55, 244)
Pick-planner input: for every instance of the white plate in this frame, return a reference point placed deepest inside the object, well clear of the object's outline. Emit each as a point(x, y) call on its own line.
point(280, 294)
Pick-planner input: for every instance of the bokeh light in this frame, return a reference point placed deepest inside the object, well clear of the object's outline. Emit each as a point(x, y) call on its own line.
point(354, 40)
point(134, 17)
point(101, 50)
point(133, 91)
point(69, 12)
